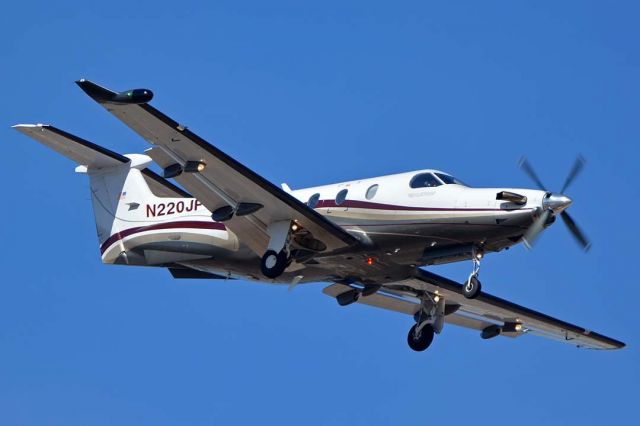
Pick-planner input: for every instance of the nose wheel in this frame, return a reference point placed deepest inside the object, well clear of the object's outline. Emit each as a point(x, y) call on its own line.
point(471, 288)
point(273, 263)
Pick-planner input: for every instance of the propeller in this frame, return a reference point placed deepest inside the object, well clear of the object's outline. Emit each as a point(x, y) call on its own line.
point(554, 202)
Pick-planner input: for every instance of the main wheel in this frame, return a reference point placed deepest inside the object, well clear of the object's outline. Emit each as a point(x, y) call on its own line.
point(422, 341)
point(471, 289)
point(273, 263)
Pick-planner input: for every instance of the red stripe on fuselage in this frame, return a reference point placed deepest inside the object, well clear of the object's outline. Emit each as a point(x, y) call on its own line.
point(158, 226)
point(357, 204)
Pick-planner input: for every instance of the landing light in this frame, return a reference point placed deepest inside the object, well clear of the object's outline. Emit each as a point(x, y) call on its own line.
point(294, 227)
point(194, 166)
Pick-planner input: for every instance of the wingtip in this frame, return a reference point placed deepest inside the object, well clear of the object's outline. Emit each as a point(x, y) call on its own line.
point(95, 91)
point(28, 126)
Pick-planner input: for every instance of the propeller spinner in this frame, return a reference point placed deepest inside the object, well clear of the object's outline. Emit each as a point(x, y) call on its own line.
point(554, 204)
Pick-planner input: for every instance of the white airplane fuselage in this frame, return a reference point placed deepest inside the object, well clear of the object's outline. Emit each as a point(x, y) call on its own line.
point(413, 226)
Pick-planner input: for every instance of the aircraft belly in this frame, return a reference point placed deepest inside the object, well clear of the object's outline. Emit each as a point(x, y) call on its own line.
point(145, 247)
point(405, 237)
point(454, 227)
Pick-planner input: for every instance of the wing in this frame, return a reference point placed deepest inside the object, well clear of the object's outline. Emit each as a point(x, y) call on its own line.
point(484, 311)
point(161, 187)
point(224, 183)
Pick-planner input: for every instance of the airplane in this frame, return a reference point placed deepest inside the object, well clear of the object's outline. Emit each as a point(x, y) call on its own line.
point(371, 240)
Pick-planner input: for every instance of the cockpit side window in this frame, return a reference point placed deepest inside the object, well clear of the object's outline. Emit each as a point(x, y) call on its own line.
point(424, 180)
point(448, 179)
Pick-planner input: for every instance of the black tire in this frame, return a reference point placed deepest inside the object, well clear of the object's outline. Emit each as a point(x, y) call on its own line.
point(422, 342)
point(273, 264)
point(471, 289)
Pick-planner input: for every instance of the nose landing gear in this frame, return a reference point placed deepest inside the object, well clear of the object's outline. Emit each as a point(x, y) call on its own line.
point(471, 288)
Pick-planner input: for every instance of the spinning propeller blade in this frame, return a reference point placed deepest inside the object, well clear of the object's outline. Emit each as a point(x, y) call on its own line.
point(575, 231)
point(535, 229)
point(575, 170)
point(524, 165)
point(539, 224)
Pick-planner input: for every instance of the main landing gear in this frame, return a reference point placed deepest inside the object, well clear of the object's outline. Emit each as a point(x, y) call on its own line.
point(420, 339)
point(429, 321)
point(274, 263)
point(277, 257)
point(472, 287)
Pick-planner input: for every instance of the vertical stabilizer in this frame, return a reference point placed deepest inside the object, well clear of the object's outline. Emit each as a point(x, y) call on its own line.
point(117, 193)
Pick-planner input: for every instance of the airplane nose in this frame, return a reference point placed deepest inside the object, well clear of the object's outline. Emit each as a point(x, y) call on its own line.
point(556, 202)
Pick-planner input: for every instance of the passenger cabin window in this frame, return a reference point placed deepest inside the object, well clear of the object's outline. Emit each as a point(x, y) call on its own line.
point(424, 180)
point(341, 196)
point(449, 180)
point(371, 192)
point(313, 200)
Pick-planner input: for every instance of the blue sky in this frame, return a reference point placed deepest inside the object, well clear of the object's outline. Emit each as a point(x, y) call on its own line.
point(313, 93)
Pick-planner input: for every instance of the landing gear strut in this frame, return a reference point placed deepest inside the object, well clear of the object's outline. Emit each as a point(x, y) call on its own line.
point(471, 288)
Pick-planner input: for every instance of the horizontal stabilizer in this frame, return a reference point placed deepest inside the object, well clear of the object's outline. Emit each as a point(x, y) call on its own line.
point(92, 156)
point(82, 152)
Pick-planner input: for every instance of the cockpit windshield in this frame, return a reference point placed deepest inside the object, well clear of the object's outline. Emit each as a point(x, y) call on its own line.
point(449, 180)
point(424, 180)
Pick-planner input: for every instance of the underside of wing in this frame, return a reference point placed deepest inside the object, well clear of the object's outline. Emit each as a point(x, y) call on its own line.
point(403, 304)
point(489, 314)
point(248, 203)
point(161, 187)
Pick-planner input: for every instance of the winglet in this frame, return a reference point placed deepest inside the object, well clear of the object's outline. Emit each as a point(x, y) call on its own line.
point(103, 95)
point(286, 188)
point(98, 93)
